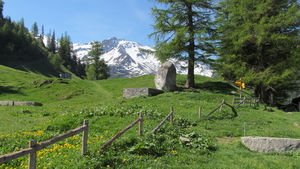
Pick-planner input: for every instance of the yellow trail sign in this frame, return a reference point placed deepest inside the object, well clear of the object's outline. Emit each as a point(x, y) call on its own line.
point(240, 83)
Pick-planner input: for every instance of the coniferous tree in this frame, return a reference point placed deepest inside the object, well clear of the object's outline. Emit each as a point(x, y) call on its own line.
point(80, 69)
point(52, 47)
point(73, 61)
point(96, 68)
point(1, 9)
point(182, 30)
point(64, 50)
point(49, 35)
point(68, 56)
point(55, 60)
point(21, 25)
point(6, 31)
point(259, 42)
point(35, 30)
point(51, 43)
point(42, 36)
point(17, 45)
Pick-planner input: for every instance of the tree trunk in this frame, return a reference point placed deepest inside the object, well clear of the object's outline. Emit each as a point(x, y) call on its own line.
point(190, 81)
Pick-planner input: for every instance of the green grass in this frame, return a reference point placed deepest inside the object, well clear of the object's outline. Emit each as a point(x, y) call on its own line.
point(66, 103)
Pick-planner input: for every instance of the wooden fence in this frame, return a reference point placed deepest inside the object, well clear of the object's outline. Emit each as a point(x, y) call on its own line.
point(244, 100)
point(138, 120)
point(221, 106)
point(170, 115)
point(34, 146)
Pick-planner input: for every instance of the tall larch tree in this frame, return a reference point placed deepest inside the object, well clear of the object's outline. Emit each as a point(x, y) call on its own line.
point(96, 68)
point(182, 30)
point(259, 42)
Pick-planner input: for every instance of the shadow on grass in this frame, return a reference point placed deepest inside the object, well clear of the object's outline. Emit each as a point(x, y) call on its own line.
point(41, 66)
point(222, 115)
point(8, 90)
point(216, 87)
point(48, 72)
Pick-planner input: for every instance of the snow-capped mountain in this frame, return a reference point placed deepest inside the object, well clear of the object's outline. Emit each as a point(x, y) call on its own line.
point(125, 59)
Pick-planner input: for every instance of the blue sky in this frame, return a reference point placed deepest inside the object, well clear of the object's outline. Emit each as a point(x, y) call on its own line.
point(87, 20)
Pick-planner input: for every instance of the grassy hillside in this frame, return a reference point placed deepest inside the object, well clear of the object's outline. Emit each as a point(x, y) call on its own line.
point(66, 102)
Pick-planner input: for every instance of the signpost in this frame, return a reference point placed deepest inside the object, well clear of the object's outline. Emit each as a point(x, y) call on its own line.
point(241, 84)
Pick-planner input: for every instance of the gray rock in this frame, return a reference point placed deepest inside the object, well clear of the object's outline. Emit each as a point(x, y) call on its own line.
point(165, 77)
point(269, 144)
point(134, 92)
point(20, 103)
point(7, 103)
point(25, 103)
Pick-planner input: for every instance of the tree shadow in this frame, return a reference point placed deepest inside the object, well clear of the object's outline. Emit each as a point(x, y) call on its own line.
point(48, 72)
point(41, 66)
point(216, 87)
point(8, 90)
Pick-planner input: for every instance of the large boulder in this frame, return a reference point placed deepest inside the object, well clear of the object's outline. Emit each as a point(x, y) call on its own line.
point(165, 77)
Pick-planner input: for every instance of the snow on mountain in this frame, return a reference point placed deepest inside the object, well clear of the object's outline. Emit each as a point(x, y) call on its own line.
point(125, 59)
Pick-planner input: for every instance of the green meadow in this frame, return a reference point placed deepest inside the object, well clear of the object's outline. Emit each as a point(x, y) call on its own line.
point(215, 139)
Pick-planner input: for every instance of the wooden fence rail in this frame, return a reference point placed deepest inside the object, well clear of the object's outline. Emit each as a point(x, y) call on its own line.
point(220, 106)
point(244, 100)
point(138, 120)
point(171, 115)
point(34, 146)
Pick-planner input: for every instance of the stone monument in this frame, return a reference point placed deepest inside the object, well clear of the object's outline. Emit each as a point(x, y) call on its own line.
point(165, 77)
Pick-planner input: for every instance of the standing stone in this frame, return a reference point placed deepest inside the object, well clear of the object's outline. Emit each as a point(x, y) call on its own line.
point(165, 77)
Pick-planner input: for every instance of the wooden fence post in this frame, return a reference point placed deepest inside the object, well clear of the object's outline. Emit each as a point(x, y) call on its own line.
point(200, 112)
point(141, 125)
point(85, 137)
point(32, 156)
point(172, 116)
point(222, 105)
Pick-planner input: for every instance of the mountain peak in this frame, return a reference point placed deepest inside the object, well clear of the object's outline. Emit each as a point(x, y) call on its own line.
point(126, 60)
